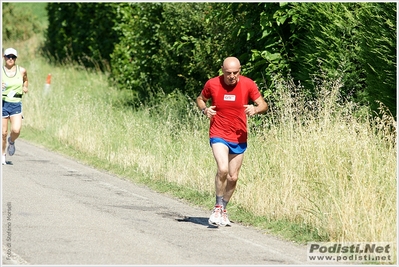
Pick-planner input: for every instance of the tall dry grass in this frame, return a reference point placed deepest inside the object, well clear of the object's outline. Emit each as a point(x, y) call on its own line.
point(325, 165)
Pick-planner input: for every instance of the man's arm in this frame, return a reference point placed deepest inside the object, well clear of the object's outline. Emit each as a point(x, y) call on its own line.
point(201, 103)
point(207, 111)
point(259, 107)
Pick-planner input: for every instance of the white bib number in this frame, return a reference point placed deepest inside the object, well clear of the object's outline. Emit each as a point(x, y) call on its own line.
point(229, 98)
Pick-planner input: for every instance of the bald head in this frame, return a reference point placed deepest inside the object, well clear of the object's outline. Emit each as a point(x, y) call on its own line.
point(231, 70)
point(231, 62)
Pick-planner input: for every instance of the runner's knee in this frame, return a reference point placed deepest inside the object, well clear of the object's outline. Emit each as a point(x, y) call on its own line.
point(233, 178)
point(223, 173)
point(16, 130)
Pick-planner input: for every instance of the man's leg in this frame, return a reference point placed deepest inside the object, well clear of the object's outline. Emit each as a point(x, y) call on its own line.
point(228, 168)
point(221, 154)
point(235, 163)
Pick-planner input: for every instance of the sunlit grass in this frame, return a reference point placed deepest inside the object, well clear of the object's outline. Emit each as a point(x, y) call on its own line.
point(326, 169)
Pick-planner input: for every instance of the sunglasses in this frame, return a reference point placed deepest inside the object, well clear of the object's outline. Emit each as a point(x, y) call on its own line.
point(10, 56)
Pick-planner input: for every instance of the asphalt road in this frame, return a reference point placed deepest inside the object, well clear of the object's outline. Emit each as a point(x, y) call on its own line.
point(56, 211)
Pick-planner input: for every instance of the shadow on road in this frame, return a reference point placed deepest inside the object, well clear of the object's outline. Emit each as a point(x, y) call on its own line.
point(197, 220)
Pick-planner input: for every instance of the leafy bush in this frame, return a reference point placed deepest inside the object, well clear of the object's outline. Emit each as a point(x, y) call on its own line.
point(130, 61)
point(267, 28)
point(327, 45)
point(377, 53)
point(167, 47)
point(82, 32)
point(158, 48)
point(355, 42)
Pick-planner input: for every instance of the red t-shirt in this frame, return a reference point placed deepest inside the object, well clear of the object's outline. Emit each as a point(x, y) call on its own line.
point(230, 121)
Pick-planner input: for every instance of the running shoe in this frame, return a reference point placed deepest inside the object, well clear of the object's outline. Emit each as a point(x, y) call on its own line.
point(224, 220)
point(11, 147)
point(3, 159)
point(216, 215)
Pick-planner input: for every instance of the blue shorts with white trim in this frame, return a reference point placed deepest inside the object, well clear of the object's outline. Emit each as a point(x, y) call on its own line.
point(11, 109)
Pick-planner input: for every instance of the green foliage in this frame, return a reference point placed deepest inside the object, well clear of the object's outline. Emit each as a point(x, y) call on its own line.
point(130, 61)
point(193, 43)
point(354, 42)
point(82, 32)
point(327, 45)
point(168, 46)
point(19, 23)
point(159, 48)
point(268, 30)
point(377, 53)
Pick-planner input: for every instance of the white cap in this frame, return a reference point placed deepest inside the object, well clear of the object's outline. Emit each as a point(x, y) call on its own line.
point(10, 51)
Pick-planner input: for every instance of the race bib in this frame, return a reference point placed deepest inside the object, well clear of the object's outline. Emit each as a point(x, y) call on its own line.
point(229, 98)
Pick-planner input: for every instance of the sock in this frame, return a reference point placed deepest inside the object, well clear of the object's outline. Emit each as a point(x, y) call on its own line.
point(224, 203)
point(219, 200)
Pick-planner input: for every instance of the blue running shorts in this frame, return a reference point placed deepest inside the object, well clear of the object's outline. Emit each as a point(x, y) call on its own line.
point(11, 109)
point(234, 148)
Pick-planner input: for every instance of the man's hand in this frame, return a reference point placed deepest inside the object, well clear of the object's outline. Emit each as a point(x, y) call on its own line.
point(210, 111)
point(250, 110)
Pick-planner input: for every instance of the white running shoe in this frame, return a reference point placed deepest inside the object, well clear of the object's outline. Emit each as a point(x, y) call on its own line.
point(3, 159)
point(216, 215)
point(11, 147)
point(224, 220)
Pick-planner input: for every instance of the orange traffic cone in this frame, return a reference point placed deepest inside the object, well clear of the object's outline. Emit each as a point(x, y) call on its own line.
point(47, 85)
point(48, 80)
